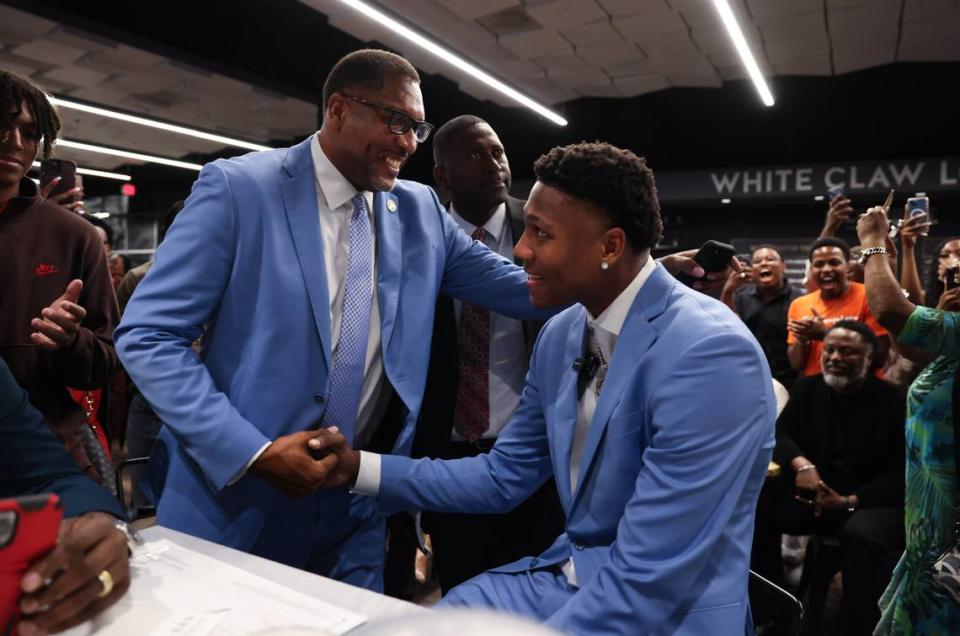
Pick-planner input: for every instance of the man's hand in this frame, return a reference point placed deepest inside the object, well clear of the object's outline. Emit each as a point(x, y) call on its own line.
point(827, 499)
point(838, 211)
point(72, 199)
point(873, 228)
point(806, 480)
point(738, 279)
point(911, 228)
point(348, 464)
point(808, 328)
point(66, 587)
point(949, 300)
point(60, 321)
point(289, 464)
point(709, 283)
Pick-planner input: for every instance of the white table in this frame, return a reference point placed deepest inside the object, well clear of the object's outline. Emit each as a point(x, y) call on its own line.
point(340, 594)
point(141, 610)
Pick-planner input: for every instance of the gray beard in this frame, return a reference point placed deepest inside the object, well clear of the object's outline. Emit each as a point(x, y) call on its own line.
point(845, 382)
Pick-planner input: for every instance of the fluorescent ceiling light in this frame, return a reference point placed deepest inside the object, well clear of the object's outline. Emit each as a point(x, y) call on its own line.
point(128, 155)
point(453, 59)
point(97, 173)
point(153, 123)
point(743, 49)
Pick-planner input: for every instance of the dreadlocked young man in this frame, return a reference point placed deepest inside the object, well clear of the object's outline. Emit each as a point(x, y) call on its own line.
point(59, 308)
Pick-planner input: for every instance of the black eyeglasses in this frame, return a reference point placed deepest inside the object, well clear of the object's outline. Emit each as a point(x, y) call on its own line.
point(399, 122)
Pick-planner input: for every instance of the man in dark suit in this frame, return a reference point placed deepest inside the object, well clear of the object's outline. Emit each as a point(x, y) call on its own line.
point(33, 461)
point(840, 442)
point(478, 362)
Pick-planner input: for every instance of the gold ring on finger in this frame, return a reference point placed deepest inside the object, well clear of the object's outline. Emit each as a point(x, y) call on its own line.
point(106, 580)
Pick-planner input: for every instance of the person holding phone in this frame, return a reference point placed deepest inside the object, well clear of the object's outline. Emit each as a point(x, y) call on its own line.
point(59, 308)
point(912, 602)
point(93, 536)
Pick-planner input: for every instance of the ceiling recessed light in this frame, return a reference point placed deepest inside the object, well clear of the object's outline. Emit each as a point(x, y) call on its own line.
point(743, 49)
point(153, 123)
point(127, 154)
point(453, 59)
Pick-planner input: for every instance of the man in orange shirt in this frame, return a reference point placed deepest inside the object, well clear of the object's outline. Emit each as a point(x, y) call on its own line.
point(811, 315)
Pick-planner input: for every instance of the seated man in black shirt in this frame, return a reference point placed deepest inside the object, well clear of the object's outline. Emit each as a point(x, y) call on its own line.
point(840, 443)
point(761, 297)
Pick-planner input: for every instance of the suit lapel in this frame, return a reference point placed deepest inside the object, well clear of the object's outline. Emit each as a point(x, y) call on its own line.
point(387, 213)
point(299, 193)
point(515, 218)
point(636, 336)
point(565, 409)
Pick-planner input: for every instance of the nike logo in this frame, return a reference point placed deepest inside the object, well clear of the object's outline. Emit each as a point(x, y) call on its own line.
point(45, 269)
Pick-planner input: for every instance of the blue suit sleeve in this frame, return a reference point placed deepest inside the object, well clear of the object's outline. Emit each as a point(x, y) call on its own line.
point(33, 461)
point(169, 308)
point(474, 273)
point(711, 438)
point(497, 481)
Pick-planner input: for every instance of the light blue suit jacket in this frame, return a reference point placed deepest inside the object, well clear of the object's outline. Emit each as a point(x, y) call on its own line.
point(660, 525)
point(245, 257)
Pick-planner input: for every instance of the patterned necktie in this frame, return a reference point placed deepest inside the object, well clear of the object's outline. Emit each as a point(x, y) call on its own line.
point(351, 353)
point(601, 359)
point(472, 412)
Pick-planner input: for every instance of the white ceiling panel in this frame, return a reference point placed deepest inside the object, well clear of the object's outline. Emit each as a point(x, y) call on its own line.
point(596, 33)
point(470, 10)
point(75, 75)
point(19, 27)
point(633, 85)
point(565, 14)
point(765, 12)
point(49, 52)
point(535, 43)
point(610, 55)
point(622, 8)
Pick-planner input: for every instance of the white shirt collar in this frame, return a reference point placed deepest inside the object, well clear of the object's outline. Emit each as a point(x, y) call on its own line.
point(494, 225)
point(613, 317)
point(335, 188)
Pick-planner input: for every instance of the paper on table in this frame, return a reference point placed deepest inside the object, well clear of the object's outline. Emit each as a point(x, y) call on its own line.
point(177, 591)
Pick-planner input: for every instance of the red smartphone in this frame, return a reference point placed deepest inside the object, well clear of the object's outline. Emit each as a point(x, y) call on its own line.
point(50, 169)
point(28, 530)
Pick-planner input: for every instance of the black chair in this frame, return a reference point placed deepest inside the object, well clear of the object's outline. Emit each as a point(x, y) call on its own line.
point(820, 565)
point(776, 612)
point(135, 512)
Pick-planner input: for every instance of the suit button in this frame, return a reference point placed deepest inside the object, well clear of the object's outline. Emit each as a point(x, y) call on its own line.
point(318, 399)
point(578, 546)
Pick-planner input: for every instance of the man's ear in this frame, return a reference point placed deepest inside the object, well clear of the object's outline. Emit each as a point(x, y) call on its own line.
point(336, 111)
point(440, 178)
point(614, 244)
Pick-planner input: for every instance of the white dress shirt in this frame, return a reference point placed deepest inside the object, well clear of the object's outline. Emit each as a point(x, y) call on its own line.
point(607, 325)
point(508, 349)
point(334, 193)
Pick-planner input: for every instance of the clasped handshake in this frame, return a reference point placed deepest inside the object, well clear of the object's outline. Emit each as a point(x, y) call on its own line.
point(301, 463)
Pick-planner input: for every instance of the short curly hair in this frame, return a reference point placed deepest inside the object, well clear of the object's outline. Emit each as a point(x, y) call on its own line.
point(366, 69)
point(15, 91)
point(615, 180)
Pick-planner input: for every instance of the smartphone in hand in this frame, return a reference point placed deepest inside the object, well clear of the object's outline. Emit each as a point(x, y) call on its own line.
point(713, 256)
point(28, 530)
point(50, 169)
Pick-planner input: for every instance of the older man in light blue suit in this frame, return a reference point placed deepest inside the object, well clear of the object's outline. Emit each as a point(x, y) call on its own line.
point(650, 403)
point(295, 265)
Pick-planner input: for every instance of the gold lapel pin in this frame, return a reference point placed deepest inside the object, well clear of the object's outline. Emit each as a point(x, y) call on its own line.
point(391, 205)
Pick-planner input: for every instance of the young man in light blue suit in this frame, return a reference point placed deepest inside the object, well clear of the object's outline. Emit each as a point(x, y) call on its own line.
point(311, 274)
point(650, 403)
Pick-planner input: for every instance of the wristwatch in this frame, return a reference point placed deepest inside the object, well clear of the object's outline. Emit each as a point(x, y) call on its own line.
point(870, 251)
point(131, 535)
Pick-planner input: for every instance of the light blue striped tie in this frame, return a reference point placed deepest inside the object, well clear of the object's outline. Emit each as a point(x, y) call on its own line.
point(350, 355)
